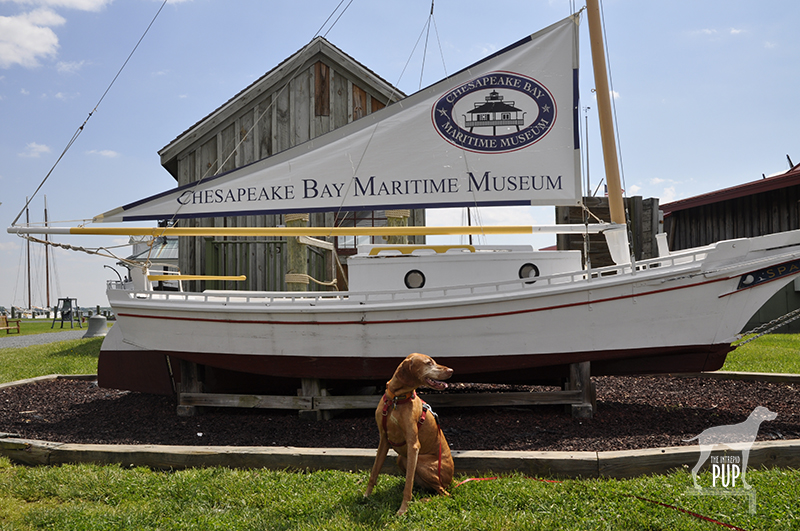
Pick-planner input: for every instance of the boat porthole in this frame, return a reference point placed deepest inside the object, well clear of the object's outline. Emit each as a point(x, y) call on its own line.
point(415, 279)
point(528, 271)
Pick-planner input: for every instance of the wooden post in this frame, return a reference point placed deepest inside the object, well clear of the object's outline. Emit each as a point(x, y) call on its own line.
point(190, 383)
point(312, 387)
point(397, 218)
point(297, 266)
point(580, 380)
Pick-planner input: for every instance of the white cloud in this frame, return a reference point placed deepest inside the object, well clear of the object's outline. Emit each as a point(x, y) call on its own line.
point(668, 195)
point(63, 96)
point(81, 5)
point(633, 189)
point(26, 38)
point(104, 153)
point(24, 92)
point(69, 67)
point(34, 150)
point(736, 31)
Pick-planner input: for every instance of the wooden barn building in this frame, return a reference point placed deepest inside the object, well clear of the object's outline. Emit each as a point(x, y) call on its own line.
point(316, 90)
point(756, 208)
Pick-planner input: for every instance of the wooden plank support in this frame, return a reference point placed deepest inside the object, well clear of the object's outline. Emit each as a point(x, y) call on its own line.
point(459, 400)
point(313, 403)
point(312, 389)
point(190, 384)
point(247, 401)
point(580, 380)
point(316, 404)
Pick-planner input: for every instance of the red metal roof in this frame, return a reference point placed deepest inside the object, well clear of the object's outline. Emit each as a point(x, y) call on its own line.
point(790, 178)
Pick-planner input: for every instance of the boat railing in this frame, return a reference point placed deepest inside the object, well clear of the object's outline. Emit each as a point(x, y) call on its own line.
point(673, 263)
point(119, 284)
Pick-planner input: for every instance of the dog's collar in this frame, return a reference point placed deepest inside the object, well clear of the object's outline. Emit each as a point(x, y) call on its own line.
point(398, 399)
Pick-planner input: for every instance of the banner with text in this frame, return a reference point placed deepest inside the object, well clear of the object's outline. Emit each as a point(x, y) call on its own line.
point(501, 132)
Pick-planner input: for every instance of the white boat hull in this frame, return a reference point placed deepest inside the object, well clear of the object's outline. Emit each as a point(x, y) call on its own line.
point(674, 313)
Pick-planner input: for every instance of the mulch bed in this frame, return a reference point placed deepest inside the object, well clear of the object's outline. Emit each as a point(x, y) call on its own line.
point(632, 413)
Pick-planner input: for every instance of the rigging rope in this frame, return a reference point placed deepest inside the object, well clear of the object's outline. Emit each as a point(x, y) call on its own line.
point(356, 166)
point(425, 48)
point(267, 109)
point(613, 100)
point(80, 129)
point(68, 247)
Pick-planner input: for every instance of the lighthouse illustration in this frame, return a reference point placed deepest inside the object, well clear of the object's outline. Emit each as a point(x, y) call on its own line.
point(494, 112)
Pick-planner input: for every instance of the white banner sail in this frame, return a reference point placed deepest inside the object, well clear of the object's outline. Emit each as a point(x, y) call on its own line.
point(501, 132)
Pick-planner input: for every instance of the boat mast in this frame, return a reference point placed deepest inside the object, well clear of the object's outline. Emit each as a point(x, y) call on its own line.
point(604, 112)
point(46, 257)
point(28, 254)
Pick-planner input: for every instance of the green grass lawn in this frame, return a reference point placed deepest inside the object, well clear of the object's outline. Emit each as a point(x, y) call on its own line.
point(769, 353)
point(40, 326)
point(92, 497)
point(110, 497)
point(77, 356)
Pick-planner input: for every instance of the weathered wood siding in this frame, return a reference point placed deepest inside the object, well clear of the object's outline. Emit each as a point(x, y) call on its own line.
point(319, 97)
point(743, 217)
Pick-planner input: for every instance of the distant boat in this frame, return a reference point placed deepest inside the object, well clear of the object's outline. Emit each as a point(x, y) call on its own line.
point(500, 132)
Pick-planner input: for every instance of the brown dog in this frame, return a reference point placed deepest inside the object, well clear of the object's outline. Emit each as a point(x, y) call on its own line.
point(407, 424)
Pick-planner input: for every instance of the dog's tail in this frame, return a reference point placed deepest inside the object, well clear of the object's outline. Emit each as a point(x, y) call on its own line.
point(692, 439)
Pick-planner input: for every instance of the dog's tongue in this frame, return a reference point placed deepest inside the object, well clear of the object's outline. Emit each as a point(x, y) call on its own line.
point(436, 384)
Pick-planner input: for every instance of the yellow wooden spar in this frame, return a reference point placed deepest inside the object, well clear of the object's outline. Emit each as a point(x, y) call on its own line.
point(605, 114)
point(312, 231)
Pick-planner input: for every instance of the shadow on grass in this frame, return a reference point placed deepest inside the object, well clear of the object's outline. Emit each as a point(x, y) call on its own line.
point(77, 347)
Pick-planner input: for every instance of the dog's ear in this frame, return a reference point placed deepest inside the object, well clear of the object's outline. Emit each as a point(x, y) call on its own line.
point(404, 372)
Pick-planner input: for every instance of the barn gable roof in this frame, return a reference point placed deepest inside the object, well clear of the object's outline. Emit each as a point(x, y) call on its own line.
point(319, 48)
point(768, 184)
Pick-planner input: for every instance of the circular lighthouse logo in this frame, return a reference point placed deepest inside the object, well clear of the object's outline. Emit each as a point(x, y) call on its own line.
point(495, 113)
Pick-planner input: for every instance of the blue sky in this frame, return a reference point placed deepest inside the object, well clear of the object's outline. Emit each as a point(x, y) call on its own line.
point(706, 94)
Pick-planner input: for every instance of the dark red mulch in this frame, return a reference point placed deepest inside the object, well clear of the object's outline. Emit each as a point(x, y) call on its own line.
point(632, 412)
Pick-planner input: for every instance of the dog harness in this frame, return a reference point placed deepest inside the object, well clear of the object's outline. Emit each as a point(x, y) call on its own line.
point(392, 401)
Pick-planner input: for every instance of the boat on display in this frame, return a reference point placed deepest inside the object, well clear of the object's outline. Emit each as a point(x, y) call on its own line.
point(501, 132)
